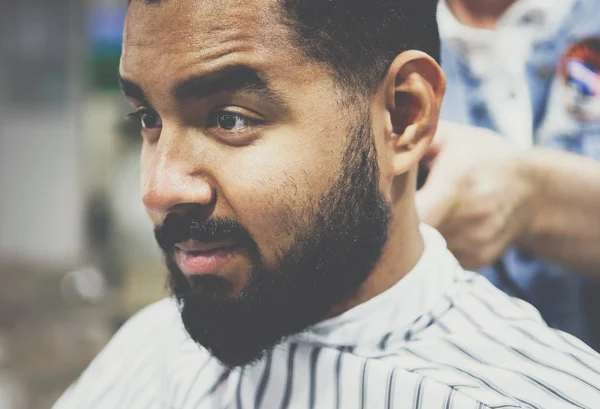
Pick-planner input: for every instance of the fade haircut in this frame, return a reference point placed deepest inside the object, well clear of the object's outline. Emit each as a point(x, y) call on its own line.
point(358, 39)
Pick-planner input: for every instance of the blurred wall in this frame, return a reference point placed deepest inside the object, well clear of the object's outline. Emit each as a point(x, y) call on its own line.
point(43, 343)
point(41, 89)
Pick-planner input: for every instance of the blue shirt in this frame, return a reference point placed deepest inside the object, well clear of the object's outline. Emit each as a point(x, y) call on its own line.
point(562, 73)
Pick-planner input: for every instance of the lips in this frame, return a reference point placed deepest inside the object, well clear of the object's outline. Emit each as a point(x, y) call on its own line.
point(193, 246)
point(202, 258)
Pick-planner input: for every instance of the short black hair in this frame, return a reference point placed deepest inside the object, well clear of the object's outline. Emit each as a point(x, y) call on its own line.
point(359, 39)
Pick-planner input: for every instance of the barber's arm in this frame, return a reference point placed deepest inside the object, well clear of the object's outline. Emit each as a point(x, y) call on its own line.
point(484, 196)
point(565, 223)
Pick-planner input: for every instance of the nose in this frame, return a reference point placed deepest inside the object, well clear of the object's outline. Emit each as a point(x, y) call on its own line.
point(171, 178)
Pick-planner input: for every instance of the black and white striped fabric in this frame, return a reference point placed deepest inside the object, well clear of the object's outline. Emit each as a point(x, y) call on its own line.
point(442, 338)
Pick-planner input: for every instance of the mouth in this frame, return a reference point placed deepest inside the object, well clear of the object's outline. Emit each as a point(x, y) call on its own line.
point(203, 258)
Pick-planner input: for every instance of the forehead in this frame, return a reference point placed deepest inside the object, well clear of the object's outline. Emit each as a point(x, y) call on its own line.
point(176, 37)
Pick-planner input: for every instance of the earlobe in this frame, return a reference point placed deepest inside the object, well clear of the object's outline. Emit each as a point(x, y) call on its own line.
point(415, 85)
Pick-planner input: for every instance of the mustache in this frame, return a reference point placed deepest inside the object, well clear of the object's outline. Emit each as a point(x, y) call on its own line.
point(178, 228)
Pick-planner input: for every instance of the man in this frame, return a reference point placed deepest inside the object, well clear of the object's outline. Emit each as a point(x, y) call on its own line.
point(529, 70)
point(281, 147)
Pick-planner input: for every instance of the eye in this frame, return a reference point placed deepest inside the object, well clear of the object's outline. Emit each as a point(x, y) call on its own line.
point(150, 119)
point(147, 118)
point(230, 121)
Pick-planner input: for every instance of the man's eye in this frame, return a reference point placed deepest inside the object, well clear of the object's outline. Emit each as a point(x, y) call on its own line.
point(150, 119)
point(147, 118)
point(232, 122)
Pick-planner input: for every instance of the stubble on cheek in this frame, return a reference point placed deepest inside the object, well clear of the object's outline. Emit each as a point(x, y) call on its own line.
point(280, 211)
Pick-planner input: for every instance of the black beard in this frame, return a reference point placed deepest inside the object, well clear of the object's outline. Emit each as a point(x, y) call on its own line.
point(331, 256)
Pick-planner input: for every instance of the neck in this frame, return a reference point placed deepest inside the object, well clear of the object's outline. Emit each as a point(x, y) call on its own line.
point(400, 255)
point(479, 13)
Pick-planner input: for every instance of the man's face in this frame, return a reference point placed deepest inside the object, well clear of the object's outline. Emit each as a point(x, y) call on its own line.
point(262, 183)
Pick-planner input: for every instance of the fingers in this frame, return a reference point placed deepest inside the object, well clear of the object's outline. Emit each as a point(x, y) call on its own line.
point(475, 255)
point(436, 199)
point(432, 153)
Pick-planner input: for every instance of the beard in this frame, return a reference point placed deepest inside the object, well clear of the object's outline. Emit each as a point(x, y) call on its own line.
point(333, 252)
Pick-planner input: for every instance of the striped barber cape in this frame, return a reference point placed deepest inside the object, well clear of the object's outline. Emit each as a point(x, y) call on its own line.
point(441, 338)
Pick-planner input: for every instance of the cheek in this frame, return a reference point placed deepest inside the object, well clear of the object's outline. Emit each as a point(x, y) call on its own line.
point(272, 189)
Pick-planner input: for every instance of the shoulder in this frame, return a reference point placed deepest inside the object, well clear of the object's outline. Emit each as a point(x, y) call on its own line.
point(158, 323)
point(135, 359)
point(161, 314)
point(155, 327)
point(503, 353)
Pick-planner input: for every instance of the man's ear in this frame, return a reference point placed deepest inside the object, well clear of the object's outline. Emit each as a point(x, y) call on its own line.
point(414, 89)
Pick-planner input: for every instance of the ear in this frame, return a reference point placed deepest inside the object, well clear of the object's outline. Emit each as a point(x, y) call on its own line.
point(414, 89)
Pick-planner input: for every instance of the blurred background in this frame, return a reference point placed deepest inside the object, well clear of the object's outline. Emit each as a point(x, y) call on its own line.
point(74, 239)
point(77, 253)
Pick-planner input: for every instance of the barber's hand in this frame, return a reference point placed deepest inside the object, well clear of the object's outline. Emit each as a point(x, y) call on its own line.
point(477, 193)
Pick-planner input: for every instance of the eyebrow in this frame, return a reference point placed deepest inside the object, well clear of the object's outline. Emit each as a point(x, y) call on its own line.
point(231, 79)
point(132, 90)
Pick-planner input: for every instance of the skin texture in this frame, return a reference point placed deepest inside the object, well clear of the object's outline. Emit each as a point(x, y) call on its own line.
point(565, 224)
point(266, 173)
